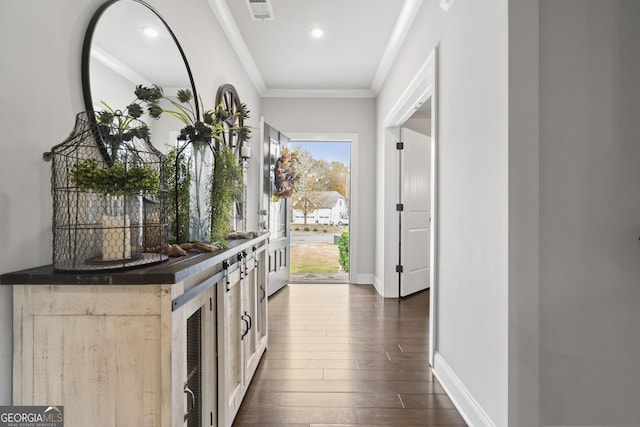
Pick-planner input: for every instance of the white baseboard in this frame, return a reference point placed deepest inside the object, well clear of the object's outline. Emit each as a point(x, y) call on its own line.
point(377, 284)
point(463, 400)
point(364, 279)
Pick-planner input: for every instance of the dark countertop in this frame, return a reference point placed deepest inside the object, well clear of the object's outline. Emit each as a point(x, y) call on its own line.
point(171, 271)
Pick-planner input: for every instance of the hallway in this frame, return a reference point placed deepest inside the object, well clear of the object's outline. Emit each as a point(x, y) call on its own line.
point(341, 355)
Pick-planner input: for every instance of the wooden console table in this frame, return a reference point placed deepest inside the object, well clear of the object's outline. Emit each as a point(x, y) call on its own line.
point(174, 344)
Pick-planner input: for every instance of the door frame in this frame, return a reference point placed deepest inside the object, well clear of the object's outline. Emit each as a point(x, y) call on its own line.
point(353, 209)
point(420, 89)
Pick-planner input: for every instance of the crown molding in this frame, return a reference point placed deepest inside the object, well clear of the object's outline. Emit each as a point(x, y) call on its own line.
point(230, 28)
point(117, 66)
point(318, 93)
point(398, 35)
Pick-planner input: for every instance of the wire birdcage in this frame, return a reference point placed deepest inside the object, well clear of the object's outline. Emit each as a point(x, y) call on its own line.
point(109, 196)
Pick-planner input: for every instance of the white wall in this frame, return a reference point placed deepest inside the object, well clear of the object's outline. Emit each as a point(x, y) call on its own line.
point(353, 116)
point(41, 44)
point(473, 194)
point(589, 212)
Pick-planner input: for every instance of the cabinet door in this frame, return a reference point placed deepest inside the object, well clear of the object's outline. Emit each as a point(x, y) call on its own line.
point(230, 364)
point(103, 352)
point(262, 311)
point(249, 309)
point(199, 362)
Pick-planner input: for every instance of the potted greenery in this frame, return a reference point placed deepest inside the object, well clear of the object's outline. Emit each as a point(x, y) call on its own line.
point(206, 178)
point(128, 171)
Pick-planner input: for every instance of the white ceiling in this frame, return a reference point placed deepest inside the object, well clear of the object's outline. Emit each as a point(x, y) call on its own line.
point(362, 38)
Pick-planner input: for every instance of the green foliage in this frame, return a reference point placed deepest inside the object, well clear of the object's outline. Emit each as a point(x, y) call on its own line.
point(307, 229)
point(184, 109)
point(178, 180)
point(226, 189)
point(118, 122)
point(224, 186)
point(343, 246)
point(114, 180)
point(212, 124)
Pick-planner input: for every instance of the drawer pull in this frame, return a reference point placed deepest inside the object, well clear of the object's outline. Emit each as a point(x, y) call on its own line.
point(191, 402)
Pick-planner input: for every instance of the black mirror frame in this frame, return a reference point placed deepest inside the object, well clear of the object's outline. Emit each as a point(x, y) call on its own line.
point(86, 60)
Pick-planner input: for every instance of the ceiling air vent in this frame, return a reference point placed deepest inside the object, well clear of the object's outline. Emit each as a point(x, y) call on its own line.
point(260, 10)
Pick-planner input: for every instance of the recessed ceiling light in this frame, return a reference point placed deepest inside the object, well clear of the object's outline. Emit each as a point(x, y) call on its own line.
point(317, 32)
point(150, 32)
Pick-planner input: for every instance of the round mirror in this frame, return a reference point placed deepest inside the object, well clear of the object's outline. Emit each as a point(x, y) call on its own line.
point(129, 44)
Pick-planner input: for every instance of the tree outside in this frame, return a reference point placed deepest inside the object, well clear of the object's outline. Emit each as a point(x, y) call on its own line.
point(317, 177)
point(315, 253)
point(307, 196)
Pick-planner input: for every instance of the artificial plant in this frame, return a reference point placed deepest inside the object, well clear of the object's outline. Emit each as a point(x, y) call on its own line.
point(223, 186)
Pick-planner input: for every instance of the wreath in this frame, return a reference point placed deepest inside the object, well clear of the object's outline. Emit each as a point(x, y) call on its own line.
point(286, 173)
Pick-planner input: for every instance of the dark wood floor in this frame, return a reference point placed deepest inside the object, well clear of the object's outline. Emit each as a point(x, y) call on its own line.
point(341, 355)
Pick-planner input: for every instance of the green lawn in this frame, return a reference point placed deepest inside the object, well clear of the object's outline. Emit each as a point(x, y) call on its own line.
point(318, 267)
point(315, 258)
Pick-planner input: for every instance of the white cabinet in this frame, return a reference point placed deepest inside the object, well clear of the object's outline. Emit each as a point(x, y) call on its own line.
point(242, 307)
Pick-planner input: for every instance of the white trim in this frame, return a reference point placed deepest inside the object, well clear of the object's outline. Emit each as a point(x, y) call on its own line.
point(353, 224)
point(461, 397)
point(435, 216)
point(414, 95)
point(230, 28)
point(261, 207)
point(422, 87)
point(117, 66)
point(318, 93)
point(407, 15)
point(446, 4)
point(364, 279)
point(377, 284)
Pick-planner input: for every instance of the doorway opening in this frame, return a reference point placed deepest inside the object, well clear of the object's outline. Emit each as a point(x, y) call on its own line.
point(414, 195)
point(321, 212)
point(420, 93)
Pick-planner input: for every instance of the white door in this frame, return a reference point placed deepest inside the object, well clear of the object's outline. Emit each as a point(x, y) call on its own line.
point(416, 215)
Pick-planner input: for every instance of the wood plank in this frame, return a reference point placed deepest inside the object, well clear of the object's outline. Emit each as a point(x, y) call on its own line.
point(346, 386)
point(293, 415)
point(429, 417)
point(330, 400)
point(371, 352)
point(377, 375)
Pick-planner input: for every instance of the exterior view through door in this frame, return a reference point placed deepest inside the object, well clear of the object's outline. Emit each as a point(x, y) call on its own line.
point(320, 212)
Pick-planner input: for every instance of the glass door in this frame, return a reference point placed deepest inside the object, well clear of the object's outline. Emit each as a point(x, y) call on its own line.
point(275, 211)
